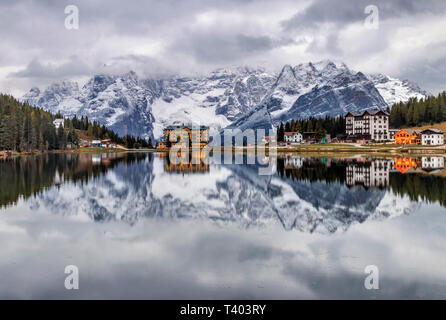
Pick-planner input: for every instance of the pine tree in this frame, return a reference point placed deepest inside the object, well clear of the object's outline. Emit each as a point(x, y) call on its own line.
point(280, 132)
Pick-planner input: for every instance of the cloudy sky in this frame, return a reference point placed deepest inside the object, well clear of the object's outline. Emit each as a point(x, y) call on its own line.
point(158, 38)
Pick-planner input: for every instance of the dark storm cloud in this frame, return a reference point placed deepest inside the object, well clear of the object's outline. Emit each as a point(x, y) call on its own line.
point(42, 45)
point(428, 70)
point(36, 69)
point(342, 12)
point(327, 20)
point(219, 47)
point(165, 37)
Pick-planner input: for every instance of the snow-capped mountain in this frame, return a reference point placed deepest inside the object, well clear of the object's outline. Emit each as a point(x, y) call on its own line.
point(121, 103)
point(394, 90)
point(238, 97)
point(214, 100)
point(144, 107)
point(313, 89)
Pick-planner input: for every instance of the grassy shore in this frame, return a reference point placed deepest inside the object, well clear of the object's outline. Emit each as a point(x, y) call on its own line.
point(90, 150)
point(4, 154)
point(342, 150)
point(324, 150)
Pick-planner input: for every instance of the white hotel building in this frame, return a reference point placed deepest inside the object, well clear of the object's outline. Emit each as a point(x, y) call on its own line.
point(368, 125)
point(433, 137)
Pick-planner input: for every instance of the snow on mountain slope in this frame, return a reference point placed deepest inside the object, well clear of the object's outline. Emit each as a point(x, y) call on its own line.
point(144, 107)
point(213, 100)
point(57, 97)
point(120, 102)
point(394, 90)
point(239, 97)
point(313, 89)
point(185, 110)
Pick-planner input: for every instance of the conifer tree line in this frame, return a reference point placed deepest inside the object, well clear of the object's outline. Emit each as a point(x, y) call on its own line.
point(334, 126)
point(419, 112)
point(27, 128)
point(94, 129)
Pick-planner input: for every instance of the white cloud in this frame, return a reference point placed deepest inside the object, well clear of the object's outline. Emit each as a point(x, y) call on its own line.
point(154, 37)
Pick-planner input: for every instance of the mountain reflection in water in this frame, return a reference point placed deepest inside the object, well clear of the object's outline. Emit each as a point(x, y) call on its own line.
point(307, 194)
point(139, 227)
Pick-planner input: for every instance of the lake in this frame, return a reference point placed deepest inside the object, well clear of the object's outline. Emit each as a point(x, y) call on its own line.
point(138, 226)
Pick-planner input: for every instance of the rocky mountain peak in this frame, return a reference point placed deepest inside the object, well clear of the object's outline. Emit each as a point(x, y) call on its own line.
point(240, 96)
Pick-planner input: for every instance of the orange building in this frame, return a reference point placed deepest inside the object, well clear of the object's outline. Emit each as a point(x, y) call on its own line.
point(162, 145)
point(195, 137)
point(407, 136)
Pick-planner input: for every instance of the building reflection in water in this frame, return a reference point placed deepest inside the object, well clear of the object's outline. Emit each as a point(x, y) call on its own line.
point(368, 172)
point(187, 162)
point(426, 164)
point(363, 171)
point(375, 172)
point(403, 165)
point(432, 164)
point(293, 162)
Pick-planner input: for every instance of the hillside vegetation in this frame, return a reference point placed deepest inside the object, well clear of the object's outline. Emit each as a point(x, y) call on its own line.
point(24, 128)
point(416, 113)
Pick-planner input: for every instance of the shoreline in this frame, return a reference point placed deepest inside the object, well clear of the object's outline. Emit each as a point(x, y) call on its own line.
point(4, 154)
point(350, 149)
point(313, 149)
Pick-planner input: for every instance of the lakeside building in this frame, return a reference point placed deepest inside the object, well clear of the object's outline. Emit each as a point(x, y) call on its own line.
point(309, 137)
point(186, 135)
point(432, 137)
point(58, 123)
point(367, 125)
point(293, 137)
point(368, 173)
point(407, 136)
point(96, 144)
point(392, 133)
point(108, 143)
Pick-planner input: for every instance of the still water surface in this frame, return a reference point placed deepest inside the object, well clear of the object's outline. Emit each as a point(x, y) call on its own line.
point(140, 227)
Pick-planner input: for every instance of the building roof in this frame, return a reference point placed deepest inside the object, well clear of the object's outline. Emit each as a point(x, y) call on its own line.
point(291, 133)
point(431, 131)
point(189, 126)
point(410, 131)
point(370, 112)
point(58, 120)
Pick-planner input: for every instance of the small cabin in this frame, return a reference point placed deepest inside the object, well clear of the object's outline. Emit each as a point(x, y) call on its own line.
point(58, 123)
point(108, 143)
point(96, 144)
point(292, 137)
